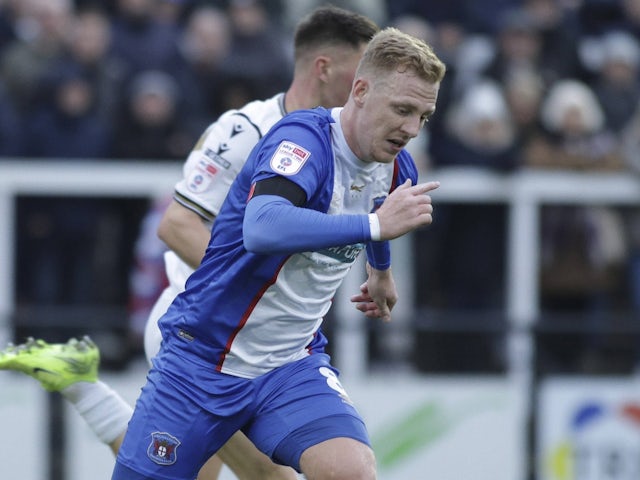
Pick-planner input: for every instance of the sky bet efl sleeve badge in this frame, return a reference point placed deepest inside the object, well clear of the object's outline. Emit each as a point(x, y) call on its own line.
point(289, 158)
point(162, 448)
point(201, 175)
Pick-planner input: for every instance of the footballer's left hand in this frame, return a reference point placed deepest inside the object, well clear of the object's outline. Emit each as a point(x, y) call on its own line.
point(378, 295)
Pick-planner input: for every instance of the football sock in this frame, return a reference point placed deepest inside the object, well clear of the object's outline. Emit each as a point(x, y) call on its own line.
point(104, 410)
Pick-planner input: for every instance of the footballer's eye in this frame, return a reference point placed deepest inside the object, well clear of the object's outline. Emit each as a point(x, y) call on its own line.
point(426, 117)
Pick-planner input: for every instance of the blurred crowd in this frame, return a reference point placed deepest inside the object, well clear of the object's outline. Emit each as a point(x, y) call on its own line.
point(542, 84)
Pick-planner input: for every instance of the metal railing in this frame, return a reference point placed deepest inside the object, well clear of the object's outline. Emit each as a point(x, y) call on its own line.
point(523, 192)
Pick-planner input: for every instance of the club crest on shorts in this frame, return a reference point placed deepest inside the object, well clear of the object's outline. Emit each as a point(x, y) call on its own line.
point(289, 158)
point(162, 449)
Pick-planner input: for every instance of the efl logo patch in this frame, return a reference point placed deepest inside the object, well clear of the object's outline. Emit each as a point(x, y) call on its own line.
point(289, 158)
point(201, 176)
point(162, 449)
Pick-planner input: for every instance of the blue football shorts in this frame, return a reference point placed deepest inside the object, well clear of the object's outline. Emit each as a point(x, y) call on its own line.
point(183, 415)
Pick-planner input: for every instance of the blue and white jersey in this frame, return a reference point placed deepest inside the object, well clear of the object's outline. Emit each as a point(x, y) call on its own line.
point(248, 313)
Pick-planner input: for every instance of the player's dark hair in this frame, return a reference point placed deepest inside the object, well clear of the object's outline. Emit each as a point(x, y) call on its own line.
point(331, 25)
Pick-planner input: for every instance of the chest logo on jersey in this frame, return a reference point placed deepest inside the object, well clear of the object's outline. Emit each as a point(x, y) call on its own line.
point(344, 254)
point(217, 156)
point(289, 158)
point(237, 128)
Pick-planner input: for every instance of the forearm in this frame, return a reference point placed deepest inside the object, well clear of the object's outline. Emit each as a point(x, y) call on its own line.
point(190, 246)
point(379, 255)
point(273, 225)
point(184, 232)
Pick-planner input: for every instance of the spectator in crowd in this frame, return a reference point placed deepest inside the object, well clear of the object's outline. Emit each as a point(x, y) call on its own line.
point(557, 27)
point(616, 84)
point(40, 43)
point(205, 45)
point(259, 56)
point(518, 47)
point(524, 92)
point(480, 131)
point(152, 126)
point(68, 125)
point(88, 48)
point(575, 135)
point(140, 40)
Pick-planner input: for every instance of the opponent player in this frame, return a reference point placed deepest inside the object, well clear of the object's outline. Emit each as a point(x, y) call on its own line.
point(241, 346)
point(327, 46)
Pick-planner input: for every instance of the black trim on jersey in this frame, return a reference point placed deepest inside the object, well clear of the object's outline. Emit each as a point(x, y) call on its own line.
point(283, 112)
point(206, 215)
point(283, 187)
point(260, 134)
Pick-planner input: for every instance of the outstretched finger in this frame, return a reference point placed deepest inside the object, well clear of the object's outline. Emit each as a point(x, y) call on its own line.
point(421, 188)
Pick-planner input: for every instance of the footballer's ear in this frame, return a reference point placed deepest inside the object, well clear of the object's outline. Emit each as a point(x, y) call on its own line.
point(322, 66)
point(361, 87)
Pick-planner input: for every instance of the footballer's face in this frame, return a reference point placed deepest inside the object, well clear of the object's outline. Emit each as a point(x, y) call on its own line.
point(393, 107)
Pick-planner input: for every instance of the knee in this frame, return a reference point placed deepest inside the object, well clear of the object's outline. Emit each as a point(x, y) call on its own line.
point(339, 459)
point(362, 467)
point(354, 470)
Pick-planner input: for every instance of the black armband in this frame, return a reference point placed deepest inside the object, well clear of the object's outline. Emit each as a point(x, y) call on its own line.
point(283, 188)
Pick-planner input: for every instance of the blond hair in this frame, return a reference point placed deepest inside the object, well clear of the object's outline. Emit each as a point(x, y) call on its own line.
point(392, 50)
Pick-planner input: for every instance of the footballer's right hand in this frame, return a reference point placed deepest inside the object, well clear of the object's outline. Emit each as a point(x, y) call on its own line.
point(406, 208)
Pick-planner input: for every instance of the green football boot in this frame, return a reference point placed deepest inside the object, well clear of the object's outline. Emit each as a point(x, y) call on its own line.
point(56, 365)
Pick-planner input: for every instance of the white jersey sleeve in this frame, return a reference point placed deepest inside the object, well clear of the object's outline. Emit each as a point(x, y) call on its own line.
point(219, 155)
point(214, 163)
